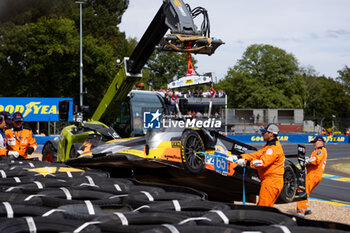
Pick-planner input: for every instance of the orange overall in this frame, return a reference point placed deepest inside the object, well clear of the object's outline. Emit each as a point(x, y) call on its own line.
point(269, 161)
point(20, 140)
point(3, 149)
point(315, 168)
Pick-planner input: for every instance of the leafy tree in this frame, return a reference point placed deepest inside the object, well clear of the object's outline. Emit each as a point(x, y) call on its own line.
point(344, 79)
point(100, 17)
point(265, 77)
point(42, 59)
point(39, 55)
point(164, 66)
point(326, 98)
point(101, 20)
point(21, 12)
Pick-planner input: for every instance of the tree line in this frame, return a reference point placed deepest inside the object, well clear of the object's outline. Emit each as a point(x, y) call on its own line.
point(39, 56)
point(269, 77)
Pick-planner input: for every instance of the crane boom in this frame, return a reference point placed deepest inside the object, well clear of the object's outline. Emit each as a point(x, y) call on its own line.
point(173, 15)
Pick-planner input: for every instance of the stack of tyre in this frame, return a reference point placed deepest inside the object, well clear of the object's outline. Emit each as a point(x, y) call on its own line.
point(45, 197)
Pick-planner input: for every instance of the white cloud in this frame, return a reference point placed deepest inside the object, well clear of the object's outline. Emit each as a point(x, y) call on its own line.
point(317, 32)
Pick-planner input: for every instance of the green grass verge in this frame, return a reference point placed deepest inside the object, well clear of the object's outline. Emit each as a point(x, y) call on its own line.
point(342, 167)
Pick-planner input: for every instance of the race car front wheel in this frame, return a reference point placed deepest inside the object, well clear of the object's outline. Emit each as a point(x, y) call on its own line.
point(49, 153)
point(290, 185)
point(191, 143)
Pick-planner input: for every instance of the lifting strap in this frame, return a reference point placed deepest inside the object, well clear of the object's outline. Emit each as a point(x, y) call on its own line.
point(212, 94)
point(243, 187)
point(174, 98)
point(190, 70)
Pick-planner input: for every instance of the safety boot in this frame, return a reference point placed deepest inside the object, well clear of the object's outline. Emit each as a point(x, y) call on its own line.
point(301, 213)
point(308, 211)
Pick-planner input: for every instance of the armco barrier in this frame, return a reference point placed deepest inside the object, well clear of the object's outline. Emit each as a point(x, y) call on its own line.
point(253, 138)
point(289, 138)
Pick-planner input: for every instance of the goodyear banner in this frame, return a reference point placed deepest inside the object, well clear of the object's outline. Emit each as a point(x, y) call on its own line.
point(290, 138)
point(35, 109)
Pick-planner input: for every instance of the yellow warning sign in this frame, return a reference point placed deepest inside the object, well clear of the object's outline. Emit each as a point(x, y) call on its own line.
point(69, 169)
point(44, 170)
point(51, 170)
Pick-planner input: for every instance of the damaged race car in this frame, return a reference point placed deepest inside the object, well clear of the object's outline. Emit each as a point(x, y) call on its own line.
point(195, 157)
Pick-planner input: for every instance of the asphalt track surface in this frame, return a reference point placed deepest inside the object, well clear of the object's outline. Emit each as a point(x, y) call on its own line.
point(335, 186)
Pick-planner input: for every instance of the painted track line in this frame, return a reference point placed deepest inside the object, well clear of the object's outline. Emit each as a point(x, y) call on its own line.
point(334, 177)
point(332, 202)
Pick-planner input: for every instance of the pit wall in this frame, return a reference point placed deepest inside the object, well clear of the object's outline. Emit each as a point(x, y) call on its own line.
point(290, 138)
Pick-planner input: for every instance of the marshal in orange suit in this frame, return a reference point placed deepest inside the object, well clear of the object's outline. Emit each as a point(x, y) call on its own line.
point(20, 140)
point(269, 161)
point(315, 166)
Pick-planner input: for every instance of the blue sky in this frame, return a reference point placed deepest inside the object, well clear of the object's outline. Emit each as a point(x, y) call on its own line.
point(316, 32)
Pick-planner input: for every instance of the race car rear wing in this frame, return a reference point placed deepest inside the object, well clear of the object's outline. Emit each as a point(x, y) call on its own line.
point(192, 80)
point(236, 147)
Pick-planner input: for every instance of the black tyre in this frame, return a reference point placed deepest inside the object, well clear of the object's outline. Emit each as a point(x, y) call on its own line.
point(72, 152)
point(81, 212)
point(290, 185)
point(249, 218)
point(144, 198)
point(49, 153)
point(190, 208)
point(20, 198)
point(46, 224)
point(58, 198)
point(137, 222)
point(23, 210)
point(189, 229)
point(191, 143)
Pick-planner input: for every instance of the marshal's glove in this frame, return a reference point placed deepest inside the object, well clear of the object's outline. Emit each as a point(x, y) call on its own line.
point(13, 153)
point(309, 160)
point(241, 162)
point(30, 150)
point(232, 158)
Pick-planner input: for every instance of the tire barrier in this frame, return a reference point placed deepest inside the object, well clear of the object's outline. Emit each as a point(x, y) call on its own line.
point(249, 217)
point(8, 210)
point(39, 196)
point(185, 207)
point(143, 197)
point(70, 196)
point(137, 222)
point(46, 224)
point(89, 212)
point(20, 198)
point(167, 228)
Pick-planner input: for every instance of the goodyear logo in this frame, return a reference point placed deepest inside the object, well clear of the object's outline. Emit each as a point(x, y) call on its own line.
point(34, 109)
point(261, 139)
point(330, 139)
